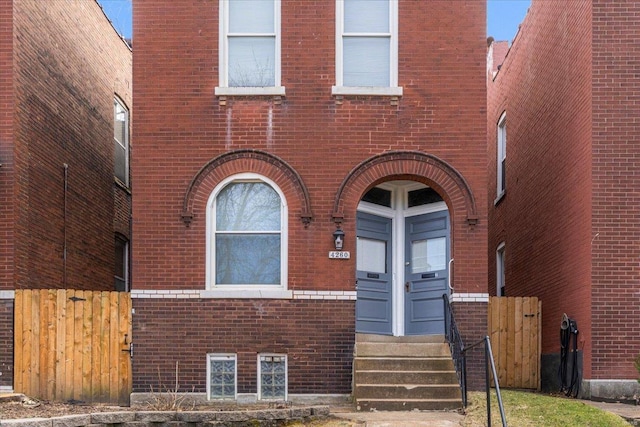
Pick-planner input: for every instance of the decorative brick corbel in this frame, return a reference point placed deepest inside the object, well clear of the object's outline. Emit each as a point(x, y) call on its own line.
point(187, 217)
point(472, 221)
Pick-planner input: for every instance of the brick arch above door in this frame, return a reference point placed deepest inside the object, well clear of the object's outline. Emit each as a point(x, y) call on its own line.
point(413, 165)
point(255, 161)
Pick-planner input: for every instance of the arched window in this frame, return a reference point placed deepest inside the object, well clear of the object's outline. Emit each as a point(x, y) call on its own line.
point(247, 244)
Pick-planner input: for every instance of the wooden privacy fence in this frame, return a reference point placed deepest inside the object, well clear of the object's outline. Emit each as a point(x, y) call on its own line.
point(514, 328)
point(73, 345)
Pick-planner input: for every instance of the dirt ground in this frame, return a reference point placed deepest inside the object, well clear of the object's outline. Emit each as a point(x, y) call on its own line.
point(16, 409)
point(42, 409)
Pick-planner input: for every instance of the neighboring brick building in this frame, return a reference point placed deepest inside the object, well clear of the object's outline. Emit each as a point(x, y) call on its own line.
point(64, 218)
point(254, 144)
point(565, 227)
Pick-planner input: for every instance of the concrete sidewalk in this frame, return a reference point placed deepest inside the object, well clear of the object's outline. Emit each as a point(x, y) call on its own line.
point(399, 419)
point(631, 413)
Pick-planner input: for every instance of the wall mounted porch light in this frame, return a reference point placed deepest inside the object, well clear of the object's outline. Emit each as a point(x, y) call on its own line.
point(338, 239)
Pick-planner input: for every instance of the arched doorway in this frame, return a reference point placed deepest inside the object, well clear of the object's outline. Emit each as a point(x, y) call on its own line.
point(402, 259)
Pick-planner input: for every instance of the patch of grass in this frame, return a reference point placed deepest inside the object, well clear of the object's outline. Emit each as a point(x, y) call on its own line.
point(530, 409)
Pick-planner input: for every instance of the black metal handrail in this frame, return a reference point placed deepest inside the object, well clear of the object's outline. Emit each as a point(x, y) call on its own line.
point(456, 345)
point(459, 354)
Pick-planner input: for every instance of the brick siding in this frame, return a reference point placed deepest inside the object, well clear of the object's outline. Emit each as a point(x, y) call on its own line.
point(544, 216)
point(567, 215)
point(6, 147)
point(64, 88)
point(6, 343)
point(61, 63)
point(180, 127)
point(471, 319)
point(615, 300)
point(317, 336)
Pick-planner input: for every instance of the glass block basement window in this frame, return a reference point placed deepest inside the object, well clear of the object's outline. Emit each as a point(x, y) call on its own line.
point(221, 376)
point(273, 377)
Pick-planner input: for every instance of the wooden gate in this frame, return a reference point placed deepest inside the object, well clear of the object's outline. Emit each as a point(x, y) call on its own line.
point(514, 328)
point(73, 345)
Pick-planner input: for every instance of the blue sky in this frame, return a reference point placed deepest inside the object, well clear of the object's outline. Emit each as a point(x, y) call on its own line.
point(503, 16)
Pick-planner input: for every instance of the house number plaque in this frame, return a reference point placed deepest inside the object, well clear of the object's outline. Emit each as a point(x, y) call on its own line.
point(339, 254)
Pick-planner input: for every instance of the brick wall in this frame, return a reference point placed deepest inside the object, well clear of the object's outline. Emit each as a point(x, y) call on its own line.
point(615, 303)
point(180, 126)
point(6, 343)
point(442, 113)
point(6, 146)
point(544, 217)
point(69, 64)
point(471, 319)
point(317, 336)
point(567, 216)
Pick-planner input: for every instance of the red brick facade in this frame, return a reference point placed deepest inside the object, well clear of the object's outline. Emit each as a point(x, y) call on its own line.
point(61, 64)
point(319, 347)
point(566, 86)
point(323, 151)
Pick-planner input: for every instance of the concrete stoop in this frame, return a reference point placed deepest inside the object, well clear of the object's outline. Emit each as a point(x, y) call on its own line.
point(404, 374)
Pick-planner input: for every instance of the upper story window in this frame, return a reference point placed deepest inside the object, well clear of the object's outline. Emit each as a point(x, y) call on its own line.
point(367, 47)
point(121, 140)
point(247, 239)
point(121, 273)
point(500, 284)
point(249, 47)
point(502, 155)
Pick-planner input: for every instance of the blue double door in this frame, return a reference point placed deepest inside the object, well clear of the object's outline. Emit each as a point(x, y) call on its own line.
point(400, 282)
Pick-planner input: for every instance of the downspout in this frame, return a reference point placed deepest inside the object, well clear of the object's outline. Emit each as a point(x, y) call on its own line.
point(64, 227)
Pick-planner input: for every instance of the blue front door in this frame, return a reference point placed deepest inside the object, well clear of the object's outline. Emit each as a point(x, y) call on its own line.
point(426, 272)
point(402, 260)
point(374, 278)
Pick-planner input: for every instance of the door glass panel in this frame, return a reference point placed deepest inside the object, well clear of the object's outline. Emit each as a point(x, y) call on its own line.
point(371, 255)
point(428, 255)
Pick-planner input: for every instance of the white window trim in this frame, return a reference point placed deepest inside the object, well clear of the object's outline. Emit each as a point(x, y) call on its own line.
point(500, 268)
point(245, 291)
point(124, 144)
point(393, 89)
point(286, 374)
point(501, 154)
point(223, 57)
point(221, 356)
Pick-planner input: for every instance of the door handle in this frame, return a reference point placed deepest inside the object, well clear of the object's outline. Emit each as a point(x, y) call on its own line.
point(406, 286)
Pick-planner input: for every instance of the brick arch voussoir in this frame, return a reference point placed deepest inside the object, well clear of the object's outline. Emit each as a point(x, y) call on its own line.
point(409, 164)
point(255, 161)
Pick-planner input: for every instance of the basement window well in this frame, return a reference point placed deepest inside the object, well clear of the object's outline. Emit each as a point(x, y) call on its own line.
point(222, 376)
point(272, 377)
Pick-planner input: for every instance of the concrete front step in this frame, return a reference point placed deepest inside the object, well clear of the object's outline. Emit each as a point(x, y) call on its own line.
point(404, 373)
point(409, 405)
point(403, 364)
point(436, 339)
point(377, 349)
point(406, 377)
point(406, 391)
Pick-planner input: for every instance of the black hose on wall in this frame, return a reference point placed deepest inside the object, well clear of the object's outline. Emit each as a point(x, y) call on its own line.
point(569, 384)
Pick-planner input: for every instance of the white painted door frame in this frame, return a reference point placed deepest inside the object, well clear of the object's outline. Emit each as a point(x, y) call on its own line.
point(398, 212)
